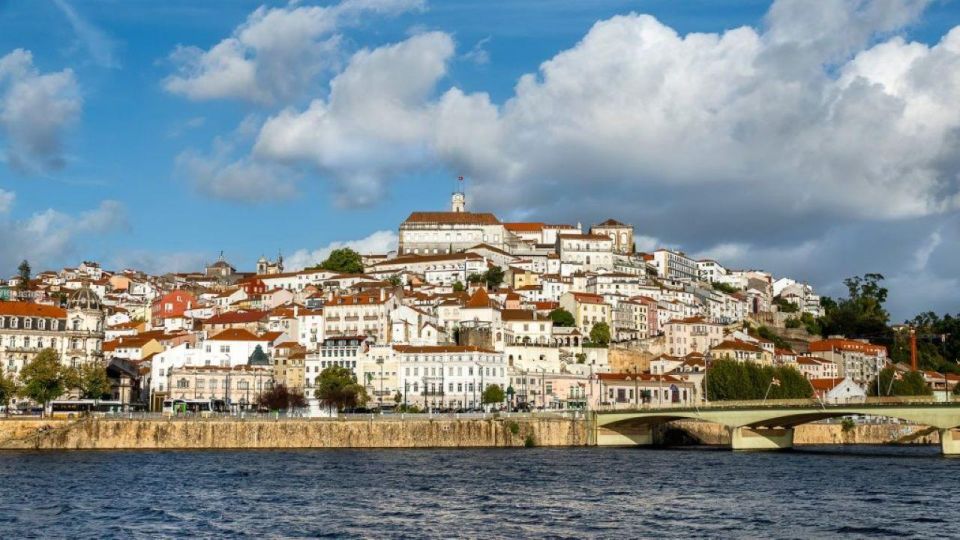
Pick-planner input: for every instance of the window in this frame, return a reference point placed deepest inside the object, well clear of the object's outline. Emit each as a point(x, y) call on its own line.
point(183, 383)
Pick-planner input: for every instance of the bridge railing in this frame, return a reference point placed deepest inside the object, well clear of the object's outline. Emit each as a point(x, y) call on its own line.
point(776, 403)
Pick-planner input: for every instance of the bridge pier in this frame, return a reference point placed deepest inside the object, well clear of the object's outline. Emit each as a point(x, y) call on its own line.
point(628, 435)
point(950, 442)
point(747, 438)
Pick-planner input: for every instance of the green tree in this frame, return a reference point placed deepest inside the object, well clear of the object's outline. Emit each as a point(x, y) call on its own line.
point(458, 287)
point(8, 389)
point(908, 383)
point(733, 380)
point(492, 394)
point(44, 379)
point(281, 398)
point(475, 278)
point(493, 277)
point(23, 275)
point(395, 280)
point(861, 314)
point(562, 317)
point(600, 333)
point(785, 305)
point(90, 379)
point(343, 260)
point(398, 398)
point(337, 386)
point(724, 287)
point(770, 335)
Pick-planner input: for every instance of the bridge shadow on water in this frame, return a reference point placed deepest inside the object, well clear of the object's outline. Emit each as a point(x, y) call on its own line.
point(871, 451)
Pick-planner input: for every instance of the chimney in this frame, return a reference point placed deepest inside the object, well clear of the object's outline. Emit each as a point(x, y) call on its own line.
point(383, 294)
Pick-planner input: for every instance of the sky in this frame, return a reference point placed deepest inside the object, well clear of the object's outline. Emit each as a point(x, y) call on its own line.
point(815, 140)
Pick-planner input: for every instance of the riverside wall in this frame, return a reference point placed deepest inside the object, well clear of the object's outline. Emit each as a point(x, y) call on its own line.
point(109, 434)
point(171, 434)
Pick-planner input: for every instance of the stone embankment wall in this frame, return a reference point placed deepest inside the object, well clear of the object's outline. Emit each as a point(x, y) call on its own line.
point(808, 434)
point(215, 433)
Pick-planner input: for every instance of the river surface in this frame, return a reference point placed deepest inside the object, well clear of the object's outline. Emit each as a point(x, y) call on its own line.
point(818, 492)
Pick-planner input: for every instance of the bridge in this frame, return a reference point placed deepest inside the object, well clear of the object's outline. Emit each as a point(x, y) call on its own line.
point(770, 425)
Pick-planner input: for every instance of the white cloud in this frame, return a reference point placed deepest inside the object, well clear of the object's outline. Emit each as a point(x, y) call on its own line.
point(224, 175)
point(160, 263)
point(6, 201)
point(376, 122)
point(100, 47)
point(479, 54)
point(378, 242)
point(274, 54)
point(922, 255)
point(51, 236)
point(35, 109)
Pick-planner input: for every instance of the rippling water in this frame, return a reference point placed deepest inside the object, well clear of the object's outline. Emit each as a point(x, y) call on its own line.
point(575, 493)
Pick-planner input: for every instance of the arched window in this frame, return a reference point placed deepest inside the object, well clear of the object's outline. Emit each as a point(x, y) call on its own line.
point(183, 383)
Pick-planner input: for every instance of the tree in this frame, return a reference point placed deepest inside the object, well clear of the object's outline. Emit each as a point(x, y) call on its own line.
point(493, 277)
point(398, 398)
point(492, 394)
point(861, 314)
point(785, 305)
point(724, 287)
point(910, 383)
point(8, 389)
point(562, 317)
point(337, 386)
point(343, 260)
point(474, 278)
point(23, 275)
point(395, 280)
point(600, 333)
point(90, 379)
point(282, 398)
point(733, 380)
point(770, 335)
point(44, 379)
point(458, 287)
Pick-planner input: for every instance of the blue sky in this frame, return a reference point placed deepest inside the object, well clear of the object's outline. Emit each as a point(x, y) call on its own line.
point(132, 134)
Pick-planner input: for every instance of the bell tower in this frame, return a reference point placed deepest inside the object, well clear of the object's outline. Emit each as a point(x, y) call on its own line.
point(458, 202)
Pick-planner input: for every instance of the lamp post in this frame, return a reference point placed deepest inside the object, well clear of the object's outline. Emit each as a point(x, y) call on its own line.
point(380, 397)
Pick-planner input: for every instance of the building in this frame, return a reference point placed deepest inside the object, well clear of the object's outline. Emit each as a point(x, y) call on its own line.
point(366, 313)
point(741, 351)
point(447, 376)
point(587, 309)
point(432, 233)
point(638, 390)
point(75, 333)
point(171, 306)
point(838, 390)
point(620, 234)
point(585, 252)
point(675, 265)
point(859, 360)
point(692, 334)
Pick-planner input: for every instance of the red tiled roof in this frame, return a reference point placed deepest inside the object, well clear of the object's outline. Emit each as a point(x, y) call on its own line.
point(466, 218)
point(236, 317)
point(236, 334)
point(480, 299)
point(29, 309)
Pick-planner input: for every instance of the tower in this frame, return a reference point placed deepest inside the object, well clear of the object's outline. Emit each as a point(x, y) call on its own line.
point(458, 202)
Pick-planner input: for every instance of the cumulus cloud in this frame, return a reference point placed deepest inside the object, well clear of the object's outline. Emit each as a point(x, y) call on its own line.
point(274, 54)
point(100, 47)
point(224, 174)
point(35, 110)
point(6, 201)
point(376, 122)
point(378, 242)
point(50, 236)
point(160, 263)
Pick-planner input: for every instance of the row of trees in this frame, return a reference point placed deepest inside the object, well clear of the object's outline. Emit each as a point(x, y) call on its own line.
point(45, 379)
point(732, 380)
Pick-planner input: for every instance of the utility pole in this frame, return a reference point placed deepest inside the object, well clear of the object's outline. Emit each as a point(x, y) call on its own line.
point(913, 348)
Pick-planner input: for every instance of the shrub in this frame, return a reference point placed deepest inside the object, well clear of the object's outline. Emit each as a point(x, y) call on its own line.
point(514, 427)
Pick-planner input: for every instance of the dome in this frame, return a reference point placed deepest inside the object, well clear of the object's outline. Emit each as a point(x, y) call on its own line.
point(84, 298)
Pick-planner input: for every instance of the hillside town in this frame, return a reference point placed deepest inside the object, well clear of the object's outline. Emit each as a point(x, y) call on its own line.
point(555, 316)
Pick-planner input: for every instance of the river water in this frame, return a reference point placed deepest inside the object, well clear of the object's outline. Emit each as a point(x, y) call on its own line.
point(821, 492)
